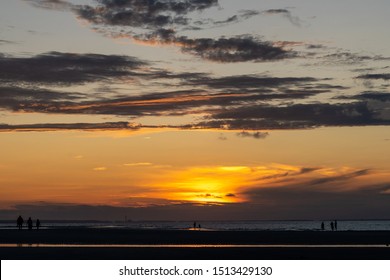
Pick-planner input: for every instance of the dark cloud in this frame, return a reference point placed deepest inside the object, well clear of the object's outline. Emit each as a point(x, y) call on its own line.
point(35, 99)
point(298, 116)
point(255, 135)
point(46, 101)
point(375, 76)
point(235, 49)
point(247, 82)
point(158, 22)
point(285, 13)
point(200, 90)
point(140, 13)
point(345, 57)
point(70, 126)
point(249, 13)
point(305, 170)
point(320, 113)
point(315, 46)
point(209, 196)
point(232, 19)
point(57, 5)
point(286, 176)
point(369, 95)
point(164, 103)
point(277, 11)
point(339, 178)
point(233, 102)
point(63, 69)
point(241, 16)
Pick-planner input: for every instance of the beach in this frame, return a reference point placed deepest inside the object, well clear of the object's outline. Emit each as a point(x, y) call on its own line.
point(91, 243)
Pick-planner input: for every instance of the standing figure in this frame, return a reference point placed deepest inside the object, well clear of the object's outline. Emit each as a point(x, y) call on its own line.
point(194, 225)
point(19, 222)
point(332, 226)
point(38, 223)
point(29, 223)
point(335, 224)
point(322, 226)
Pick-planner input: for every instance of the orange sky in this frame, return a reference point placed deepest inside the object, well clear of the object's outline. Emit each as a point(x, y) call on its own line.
point(173, 167)
point(209, 109)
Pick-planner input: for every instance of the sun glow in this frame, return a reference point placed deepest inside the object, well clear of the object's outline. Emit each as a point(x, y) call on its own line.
point(215, 184)
point(230, 184)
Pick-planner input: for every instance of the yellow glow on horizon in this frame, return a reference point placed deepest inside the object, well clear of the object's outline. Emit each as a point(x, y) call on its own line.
point(216, 184)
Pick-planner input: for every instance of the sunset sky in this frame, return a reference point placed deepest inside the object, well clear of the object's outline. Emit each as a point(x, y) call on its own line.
point(195, 109)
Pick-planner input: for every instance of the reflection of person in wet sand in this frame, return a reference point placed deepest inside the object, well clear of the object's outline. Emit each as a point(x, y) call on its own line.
point(19, 222)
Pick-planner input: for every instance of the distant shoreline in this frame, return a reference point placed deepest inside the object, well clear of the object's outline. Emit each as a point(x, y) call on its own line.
point(250, 225)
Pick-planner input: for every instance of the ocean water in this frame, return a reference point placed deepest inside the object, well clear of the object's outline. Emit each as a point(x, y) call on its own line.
point(343, 225)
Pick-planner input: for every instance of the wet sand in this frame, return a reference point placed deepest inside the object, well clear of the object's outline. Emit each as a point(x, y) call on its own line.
point(280, 244)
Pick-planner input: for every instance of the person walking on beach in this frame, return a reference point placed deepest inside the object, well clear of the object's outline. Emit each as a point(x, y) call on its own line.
point(19, 222)
point(29, 223)
point(335, 225)
point(194, 225)
point(322, 226)
point(332, 226)
point(38, 223)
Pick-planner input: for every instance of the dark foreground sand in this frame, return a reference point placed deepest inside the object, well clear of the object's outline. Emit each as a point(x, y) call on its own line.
point(283, 244)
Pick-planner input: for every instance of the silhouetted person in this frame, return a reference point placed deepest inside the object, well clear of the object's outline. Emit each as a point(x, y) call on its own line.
point(194, 225)
point(38, 223)
point(332, 226)
point(335, 224)
point(19, 222)
point(29, 223)
point(199, 226)
point(322, 226)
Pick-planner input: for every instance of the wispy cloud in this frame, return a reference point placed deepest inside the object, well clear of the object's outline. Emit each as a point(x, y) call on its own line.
point(350, 58)
point(255, 135)
point(285, 13)
point(57, 5)
point(70, 126)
